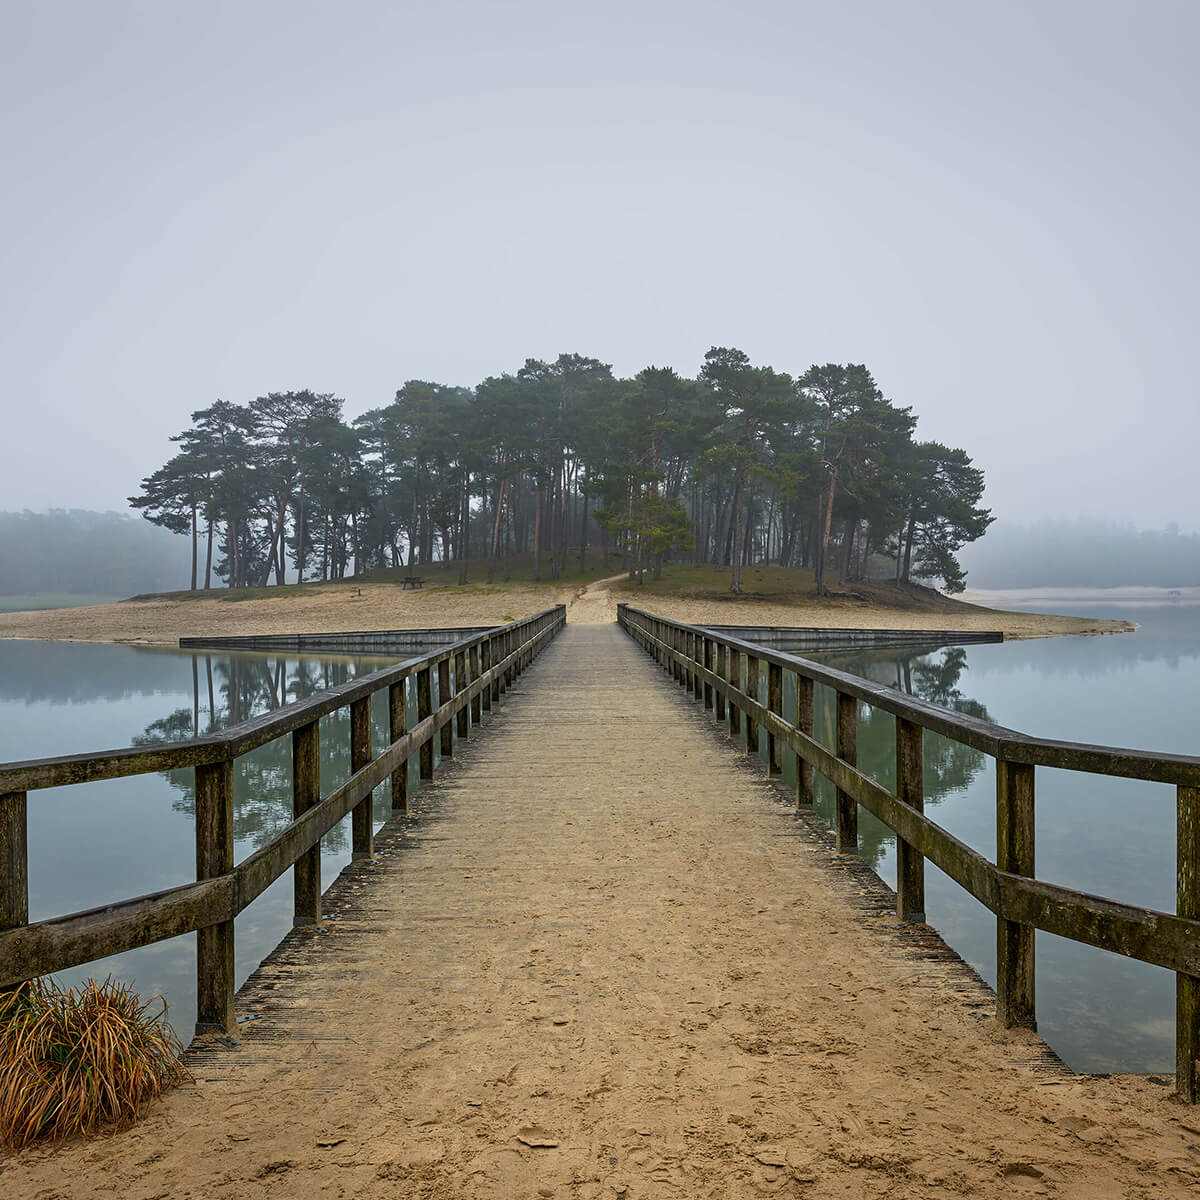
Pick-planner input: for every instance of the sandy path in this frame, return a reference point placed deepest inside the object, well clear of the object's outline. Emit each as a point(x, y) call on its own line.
point(602, 931)
point(340, 607)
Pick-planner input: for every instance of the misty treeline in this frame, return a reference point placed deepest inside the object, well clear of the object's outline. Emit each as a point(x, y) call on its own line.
point(563, 460)
point(85, 553)
point(1084, 553)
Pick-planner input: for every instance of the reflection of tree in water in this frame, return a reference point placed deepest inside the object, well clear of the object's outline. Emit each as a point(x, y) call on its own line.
point(949, 766)
point(231, 689)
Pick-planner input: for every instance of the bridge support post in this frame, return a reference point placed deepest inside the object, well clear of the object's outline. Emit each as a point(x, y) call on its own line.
point(362, 823)
point(485, 663)
point(214, 857)
point(847, 751)
point(910, 790)
point(460, 684)
point(1015, 991)
point(708, 666)
point(775, 704)
point(719, 671)
point(445, 693)
point(306, 791)
point(1187, 987)
point(425, 710)
point(735, 681)
point(477, 699)
point(804, 723)
point(752, 693)
point(397, 728)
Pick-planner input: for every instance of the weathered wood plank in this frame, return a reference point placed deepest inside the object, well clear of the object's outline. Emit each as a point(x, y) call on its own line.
point(805, 789)
point(69, 941)
point(397, 727)
point(1015, 973)
point(846, 827)
point(306, 793)
point(910, 790)
point(775, 704)
point(362, 822)
point(734, 697)
point(752, 690)
point(425, 709)
point(460, 683)
point(214, 860)
point(474, 659)
point(1187, 904)
point(14, 860)
point(445, 695)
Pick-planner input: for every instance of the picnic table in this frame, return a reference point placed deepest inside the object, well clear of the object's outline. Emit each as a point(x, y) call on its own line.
point(411, 581)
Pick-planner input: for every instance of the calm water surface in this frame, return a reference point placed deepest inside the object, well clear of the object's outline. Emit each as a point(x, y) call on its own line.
point(1115, 838)
point(99, 842)
point(91, 844)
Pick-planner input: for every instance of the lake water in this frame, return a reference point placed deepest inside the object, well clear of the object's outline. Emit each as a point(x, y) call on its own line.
point(1115, 838)
point(94, 843)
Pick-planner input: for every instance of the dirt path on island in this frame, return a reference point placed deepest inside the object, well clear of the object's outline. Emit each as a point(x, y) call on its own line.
point(602, 959)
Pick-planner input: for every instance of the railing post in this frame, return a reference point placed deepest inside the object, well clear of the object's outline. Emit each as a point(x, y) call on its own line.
point(719, 696)
point(735, 682)
point(460, 683)
point(397, 728)
point(214, 857)
point(445, 693)
point(1187, 987)
point(676, 664)
point(477, 699)
point(362, 823)
point(708, 666)
point(805, 792)
point(425, 710)
point(485, 664)
point(698, 642)
point(775, 704)
point(910, 790)
point(1015, 991)
point(306, 791)
point(752, 693)
point(14, 860)
point(847, 751)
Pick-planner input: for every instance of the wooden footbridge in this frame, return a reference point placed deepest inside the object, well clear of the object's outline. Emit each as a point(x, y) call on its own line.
point(597, 931)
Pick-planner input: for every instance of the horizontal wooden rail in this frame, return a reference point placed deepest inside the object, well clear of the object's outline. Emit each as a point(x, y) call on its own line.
point(1007, 887)
point(211, 904)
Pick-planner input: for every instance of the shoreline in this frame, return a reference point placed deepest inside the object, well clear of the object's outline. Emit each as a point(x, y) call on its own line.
point(339, 608)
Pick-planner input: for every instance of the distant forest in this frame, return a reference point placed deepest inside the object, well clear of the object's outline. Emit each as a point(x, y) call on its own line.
point(1084, 553)
point(86, 553)
point(562, 460)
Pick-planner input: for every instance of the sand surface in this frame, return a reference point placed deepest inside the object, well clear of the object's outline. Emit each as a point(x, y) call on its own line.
point(337, 608)
point(603, 958)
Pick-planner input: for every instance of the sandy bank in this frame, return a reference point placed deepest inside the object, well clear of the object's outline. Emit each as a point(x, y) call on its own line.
point(340, 607)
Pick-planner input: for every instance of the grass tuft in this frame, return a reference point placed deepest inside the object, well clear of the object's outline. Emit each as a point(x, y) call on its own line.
point(76, 1060)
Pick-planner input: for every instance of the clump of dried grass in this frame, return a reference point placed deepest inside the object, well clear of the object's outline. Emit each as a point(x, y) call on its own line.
point(75, 1060)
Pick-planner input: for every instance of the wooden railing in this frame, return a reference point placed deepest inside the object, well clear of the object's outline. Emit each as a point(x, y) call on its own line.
point(710, 665)
point(484, 665)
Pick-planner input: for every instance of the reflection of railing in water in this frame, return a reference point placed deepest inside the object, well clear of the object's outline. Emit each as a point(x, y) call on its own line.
point(484, 665)
point(709, 664)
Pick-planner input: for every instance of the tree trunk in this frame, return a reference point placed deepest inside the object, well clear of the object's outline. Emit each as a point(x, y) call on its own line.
point(739, 535)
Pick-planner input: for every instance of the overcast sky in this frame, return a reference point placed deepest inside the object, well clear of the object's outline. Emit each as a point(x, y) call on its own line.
point(993, 205)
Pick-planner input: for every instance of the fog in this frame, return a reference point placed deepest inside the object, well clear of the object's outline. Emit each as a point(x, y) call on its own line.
point(991, 206)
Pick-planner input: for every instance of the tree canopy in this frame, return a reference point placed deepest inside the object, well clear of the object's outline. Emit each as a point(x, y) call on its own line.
point(741, 464)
